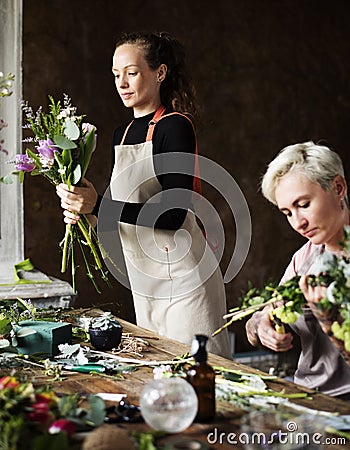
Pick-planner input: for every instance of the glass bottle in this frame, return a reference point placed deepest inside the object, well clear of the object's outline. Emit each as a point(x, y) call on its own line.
point(202, 377)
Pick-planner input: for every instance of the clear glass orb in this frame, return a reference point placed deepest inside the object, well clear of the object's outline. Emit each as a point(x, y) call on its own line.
point(169, 404)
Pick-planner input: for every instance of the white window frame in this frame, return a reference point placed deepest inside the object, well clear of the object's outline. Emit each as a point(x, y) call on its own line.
point(11, 196)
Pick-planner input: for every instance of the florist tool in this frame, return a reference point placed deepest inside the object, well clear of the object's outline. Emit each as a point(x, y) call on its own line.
point(85, 368)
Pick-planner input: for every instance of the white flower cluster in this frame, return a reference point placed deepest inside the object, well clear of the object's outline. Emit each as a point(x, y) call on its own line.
point(6, 84)
point(68, 112)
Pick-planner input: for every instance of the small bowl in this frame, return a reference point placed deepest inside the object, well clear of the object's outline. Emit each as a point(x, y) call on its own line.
point(105, 339)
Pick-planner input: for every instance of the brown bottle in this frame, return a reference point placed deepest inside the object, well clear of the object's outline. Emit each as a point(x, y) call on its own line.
point(202, 377)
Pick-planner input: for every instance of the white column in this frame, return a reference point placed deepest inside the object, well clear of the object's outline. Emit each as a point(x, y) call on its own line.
point(11, 196)
point(58, 293)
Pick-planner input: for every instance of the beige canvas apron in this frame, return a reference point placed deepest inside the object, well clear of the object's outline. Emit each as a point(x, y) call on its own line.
point(177, 286)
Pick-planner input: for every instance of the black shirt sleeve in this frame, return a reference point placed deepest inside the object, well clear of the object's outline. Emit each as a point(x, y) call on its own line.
point(172, 136)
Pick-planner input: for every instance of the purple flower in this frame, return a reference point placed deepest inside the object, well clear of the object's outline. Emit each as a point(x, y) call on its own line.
point(47, 148)
point(23, 162)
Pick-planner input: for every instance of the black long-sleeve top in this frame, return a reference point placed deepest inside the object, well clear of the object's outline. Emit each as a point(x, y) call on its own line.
point(172, 134)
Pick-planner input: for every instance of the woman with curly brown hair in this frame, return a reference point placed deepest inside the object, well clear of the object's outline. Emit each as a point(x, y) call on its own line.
point(175, 279)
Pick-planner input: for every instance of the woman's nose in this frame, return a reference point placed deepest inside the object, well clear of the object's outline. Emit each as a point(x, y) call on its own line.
point(299, 222)
point(122, 81)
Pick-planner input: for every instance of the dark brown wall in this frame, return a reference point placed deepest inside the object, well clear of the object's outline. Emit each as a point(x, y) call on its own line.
point(268, 74)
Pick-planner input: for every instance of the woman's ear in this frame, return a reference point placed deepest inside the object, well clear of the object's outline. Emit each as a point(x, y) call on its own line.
point(339, 185)
point(162, 70)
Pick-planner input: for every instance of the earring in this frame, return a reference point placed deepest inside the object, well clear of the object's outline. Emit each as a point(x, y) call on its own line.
point(342, 206)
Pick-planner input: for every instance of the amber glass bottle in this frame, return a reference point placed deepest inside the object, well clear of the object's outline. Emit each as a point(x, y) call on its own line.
point(202, 377)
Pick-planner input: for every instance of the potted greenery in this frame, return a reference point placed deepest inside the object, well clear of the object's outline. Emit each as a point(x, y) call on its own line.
point(105, 332)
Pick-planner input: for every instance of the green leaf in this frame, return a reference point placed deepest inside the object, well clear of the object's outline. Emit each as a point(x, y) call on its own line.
point(25, 331)
point(66, 157)
point(88, 150)
point(76, 175)
point(24, 265)
point(64, 143)
point(97, 411)
point(34, 157)
point(4, 343)
point(5, 324)
point(71, 130)
point(51, 441)
point(59, 160)
point(7, 179)
point(232, 376)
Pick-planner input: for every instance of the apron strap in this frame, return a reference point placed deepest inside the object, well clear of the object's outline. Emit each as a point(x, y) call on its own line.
point(197, 186)
point(151, 125)
point(126, 132)
point(157, 116)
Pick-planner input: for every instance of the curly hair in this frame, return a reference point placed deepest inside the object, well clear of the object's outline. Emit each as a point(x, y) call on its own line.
point(177, 91)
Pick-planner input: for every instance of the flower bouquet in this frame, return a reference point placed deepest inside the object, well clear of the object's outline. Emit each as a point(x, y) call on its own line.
point(63, 150)
point(332, 271)
point(35, 418)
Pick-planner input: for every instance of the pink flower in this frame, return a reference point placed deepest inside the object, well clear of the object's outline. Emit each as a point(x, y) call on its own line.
point(62, 425)
point(40, 412)
point(88, 128)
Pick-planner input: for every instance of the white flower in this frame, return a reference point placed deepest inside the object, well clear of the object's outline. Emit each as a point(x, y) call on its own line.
point(330, 290)
point(322, 263)
point(69, 111)
point(162, 371)
point(88, 127)
point(47, 163)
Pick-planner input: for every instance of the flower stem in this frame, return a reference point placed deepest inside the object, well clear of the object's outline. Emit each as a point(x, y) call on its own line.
point(89, 273)
point(66, 240)
point(85, 233)
point(238, 315)
point(73, 269)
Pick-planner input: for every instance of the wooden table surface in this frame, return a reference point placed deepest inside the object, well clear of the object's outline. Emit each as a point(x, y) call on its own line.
point(228, 416)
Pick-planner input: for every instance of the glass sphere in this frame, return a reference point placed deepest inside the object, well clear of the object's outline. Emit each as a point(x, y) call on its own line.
point(169, 404)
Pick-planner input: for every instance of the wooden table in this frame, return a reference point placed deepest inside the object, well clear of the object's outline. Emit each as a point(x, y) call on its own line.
point(228, 417)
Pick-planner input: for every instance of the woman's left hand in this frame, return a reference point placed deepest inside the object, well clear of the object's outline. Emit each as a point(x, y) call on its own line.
point(313, 295)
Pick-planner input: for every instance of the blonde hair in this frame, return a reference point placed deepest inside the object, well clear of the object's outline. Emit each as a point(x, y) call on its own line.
point(317, 162)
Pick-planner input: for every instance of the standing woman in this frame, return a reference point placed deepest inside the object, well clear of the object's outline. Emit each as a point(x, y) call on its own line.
point(176, 282)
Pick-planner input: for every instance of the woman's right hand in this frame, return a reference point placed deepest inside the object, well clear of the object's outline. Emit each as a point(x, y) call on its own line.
point(260, 328)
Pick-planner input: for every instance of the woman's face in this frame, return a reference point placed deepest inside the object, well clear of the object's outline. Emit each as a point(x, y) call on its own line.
point(313, 212)
point(137, 85)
